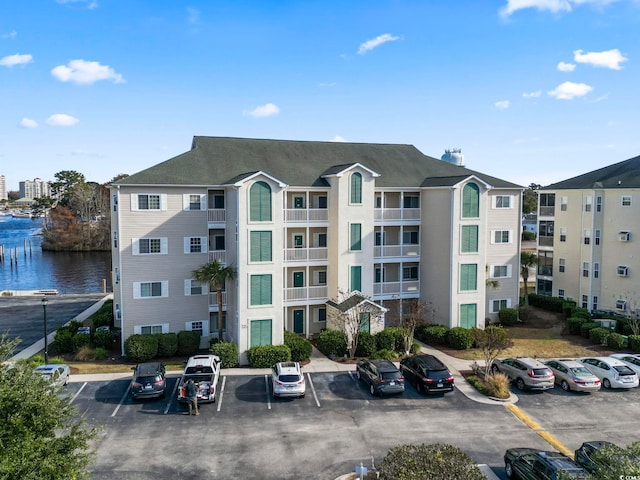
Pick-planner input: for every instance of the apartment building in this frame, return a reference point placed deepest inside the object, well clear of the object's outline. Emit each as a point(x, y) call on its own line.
point(36, 188)
point(3, 188)
point(302, 221)
point(588, 238)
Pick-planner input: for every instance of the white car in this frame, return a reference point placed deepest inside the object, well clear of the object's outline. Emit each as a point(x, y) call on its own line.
point(630, 359)
point(287, 380)
point(613, 372)
point(56, 374)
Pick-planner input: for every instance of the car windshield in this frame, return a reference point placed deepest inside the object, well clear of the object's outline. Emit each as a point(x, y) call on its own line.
point(581, 372)
point(391, 375)
point(623, 370)
point(289, 378)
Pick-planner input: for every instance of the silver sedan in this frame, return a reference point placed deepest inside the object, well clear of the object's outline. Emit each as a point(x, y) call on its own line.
point(56, 374)
point(572, 375)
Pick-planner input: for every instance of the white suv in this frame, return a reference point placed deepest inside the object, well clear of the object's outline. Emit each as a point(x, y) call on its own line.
point(288, 380)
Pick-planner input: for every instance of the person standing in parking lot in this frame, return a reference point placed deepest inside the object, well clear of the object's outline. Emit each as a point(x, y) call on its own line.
point(192, 397)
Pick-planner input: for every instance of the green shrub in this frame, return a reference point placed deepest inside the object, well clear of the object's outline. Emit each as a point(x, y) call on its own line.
point(634, 343)
point(33, 362)
point(385, 354)
point(140, 348)
point(366, 345)
point(398, 338)
point(567, 307)
point(103, 339)
point(575, 323)
point(100, 354)
point(433, 334)
point(460, 338)
point(63, 342)
point(414, 462)
point(552, 304)
point(385, 340)
point(188, 342)
point(266, 356)
point(332, 342)
point(599, 335)
point(508, 317)
point(228, 353)
point(623, 325)
point(528, 236)
point(81, 340)
point(581, 313)
point(300, 347)
point(586, 327)
point(167, 344)
point(415, 348)
point(616, 341)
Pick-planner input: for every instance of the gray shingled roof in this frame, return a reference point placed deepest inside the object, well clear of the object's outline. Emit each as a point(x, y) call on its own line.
point(625, 174)
point(222, 160)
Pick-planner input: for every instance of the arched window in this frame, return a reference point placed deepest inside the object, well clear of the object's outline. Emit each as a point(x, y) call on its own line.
point(356, 188)
point(471, 201)
point(260, 202)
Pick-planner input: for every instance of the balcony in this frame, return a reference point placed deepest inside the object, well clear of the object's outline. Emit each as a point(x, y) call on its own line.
point(545, 241)
point(298, 294)
point(219, 255)
point(396, 214)
point(217, 215)
point(545, 270)
point(306, 215)
point(306, 254)
point(385, 251)
point(548, 211)
point(213, 300)
point(396, 288)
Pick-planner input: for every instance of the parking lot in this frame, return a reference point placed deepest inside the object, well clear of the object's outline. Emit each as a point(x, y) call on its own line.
point(248, 434)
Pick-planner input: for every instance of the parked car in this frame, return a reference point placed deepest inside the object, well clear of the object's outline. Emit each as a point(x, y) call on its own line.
point(572, 375)
point(204, 370)
point(287, 380)
point(148, 380)
point(584, 455)
point(55, 374)
point(427, 373)
point(103, 328)
point(527, 373)
point(612, 372)
point(530, 464)
point(382, 376)
point(84, 330)
point(629, 359)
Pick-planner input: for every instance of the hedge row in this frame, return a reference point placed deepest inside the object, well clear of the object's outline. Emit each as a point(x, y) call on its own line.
point(144, 347)
point(457, 337)
point(266, 356)
point(300, 347)
point(334, 343)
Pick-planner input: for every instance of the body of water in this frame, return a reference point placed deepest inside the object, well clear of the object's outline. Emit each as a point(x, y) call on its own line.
point(33, 269)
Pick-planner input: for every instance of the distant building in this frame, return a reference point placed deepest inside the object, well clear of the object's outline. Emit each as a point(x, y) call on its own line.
point(589, 238)
point(36, 188)
point(3, 188)
point(530, 223)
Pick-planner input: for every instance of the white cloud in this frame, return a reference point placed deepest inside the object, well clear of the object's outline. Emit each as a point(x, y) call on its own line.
point(338, 138)
point(12, 34)
point(607, 59)
point(28, 123)
point(570, 90)
point(261, 111)
point(327, 84)
point(502, 104)
point(85, 73)
point(553, 6)
point(62, 120)
point(566, 67)
point(376, 42)
point(535, 94)
point(17, 59)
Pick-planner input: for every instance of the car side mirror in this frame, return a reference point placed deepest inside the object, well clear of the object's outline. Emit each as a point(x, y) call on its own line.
point(133, 368)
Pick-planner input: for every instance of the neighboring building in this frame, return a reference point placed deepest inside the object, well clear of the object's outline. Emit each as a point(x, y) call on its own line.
point(36, 188)
point(589, 237)
point(530, 223)
point(301, 222)
point(3, 189)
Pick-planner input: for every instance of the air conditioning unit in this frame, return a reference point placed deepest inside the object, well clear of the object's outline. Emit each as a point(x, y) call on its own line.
point(622, 271)
point(624, 236)
point(621, 305)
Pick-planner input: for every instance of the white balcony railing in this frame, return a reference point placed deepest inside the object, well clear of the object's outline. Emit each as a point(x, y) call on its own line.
point(382, 251)
point(396, 288)
point(294, 215)
point(213, 299)
point(305, 254)
point(317, 292)
point(381, 214)
point(217, 215)
point(219, 255)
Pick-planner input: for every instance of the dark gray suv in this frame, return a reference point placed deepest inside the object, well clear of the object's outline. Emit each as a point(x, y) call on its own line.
point(382, 376)
point(148, 380)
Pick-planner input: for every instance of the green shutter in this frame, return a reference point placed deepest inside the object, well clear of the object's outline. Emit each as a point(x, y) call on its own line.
point(260, 202)
point(260, 246)
point(468, 277)
point(365, 322)
point(356, 236)
point(260, 290)
point(470, 201)
point(356, 188)
point(469, 240)
point(468, 315)
point(356, 279)
point(260, 332)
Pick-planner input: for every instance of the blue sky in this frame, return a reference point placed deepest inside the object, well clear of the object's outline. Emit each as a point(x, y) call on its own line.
point(530, 90)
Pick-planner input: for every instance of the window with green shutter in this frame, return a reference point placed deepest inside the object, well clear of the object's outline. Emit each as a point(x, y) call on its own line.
point(260, 332)
point(260, 246)
point(260, 290)
point(365, 322)
point(356, 188)
point(468, 315)
point(356, 236)
point(356, 278)
point(260, 202)
point(469, 240)
point(471, 201)
point(468, 277)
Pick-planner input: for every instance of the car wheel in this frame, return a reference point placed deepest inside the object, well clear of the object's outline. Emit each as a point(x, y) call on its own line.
point(520, 384)
point(508, 470)
point(419, 387)
point(606, 383)
point(372, 390)
point(565, 385)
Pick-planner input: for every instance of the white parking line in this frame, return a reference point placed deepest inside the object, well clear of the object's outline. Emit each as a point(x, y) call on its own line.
point(126, 392)
point(266, 385)
point(313, 389)
point(173, 395)
point(224, 380)
point(78, 392)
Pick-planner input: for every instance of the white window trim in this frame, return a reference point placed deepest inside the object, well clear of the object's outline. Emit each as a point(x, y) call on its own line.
point(137, 329)
point(494, 202)
point(509, 270)
point(625, 197)
point(316, 278)
point(621, 305)
point(163, 202)
point(204, 243)
point(186, 202)
point(493, 237)
point(188, 326)
point(187, 288)
point(164, 289)
point(164, 246)
point(491, 310)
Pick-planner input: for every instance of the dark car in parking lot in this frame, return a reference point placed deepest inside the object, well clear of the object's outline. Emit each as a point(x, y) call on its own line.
point(382, 376)
point(427, 373)
point(603, 455)
point(148, 380)
point(531, 464)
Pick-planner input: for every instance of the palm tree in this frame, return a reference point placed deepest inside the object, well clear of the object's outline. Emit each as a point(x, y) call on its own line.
point(215, 275)
point(527, 260)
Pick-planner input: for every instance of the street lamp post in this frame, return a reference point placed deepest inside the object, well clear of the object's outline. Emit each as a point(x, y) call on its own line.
point(46, 352)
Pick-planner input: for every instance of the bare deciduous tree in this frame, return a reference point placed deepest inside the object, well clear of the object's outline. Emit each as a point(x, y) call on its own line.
point(492, 341)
